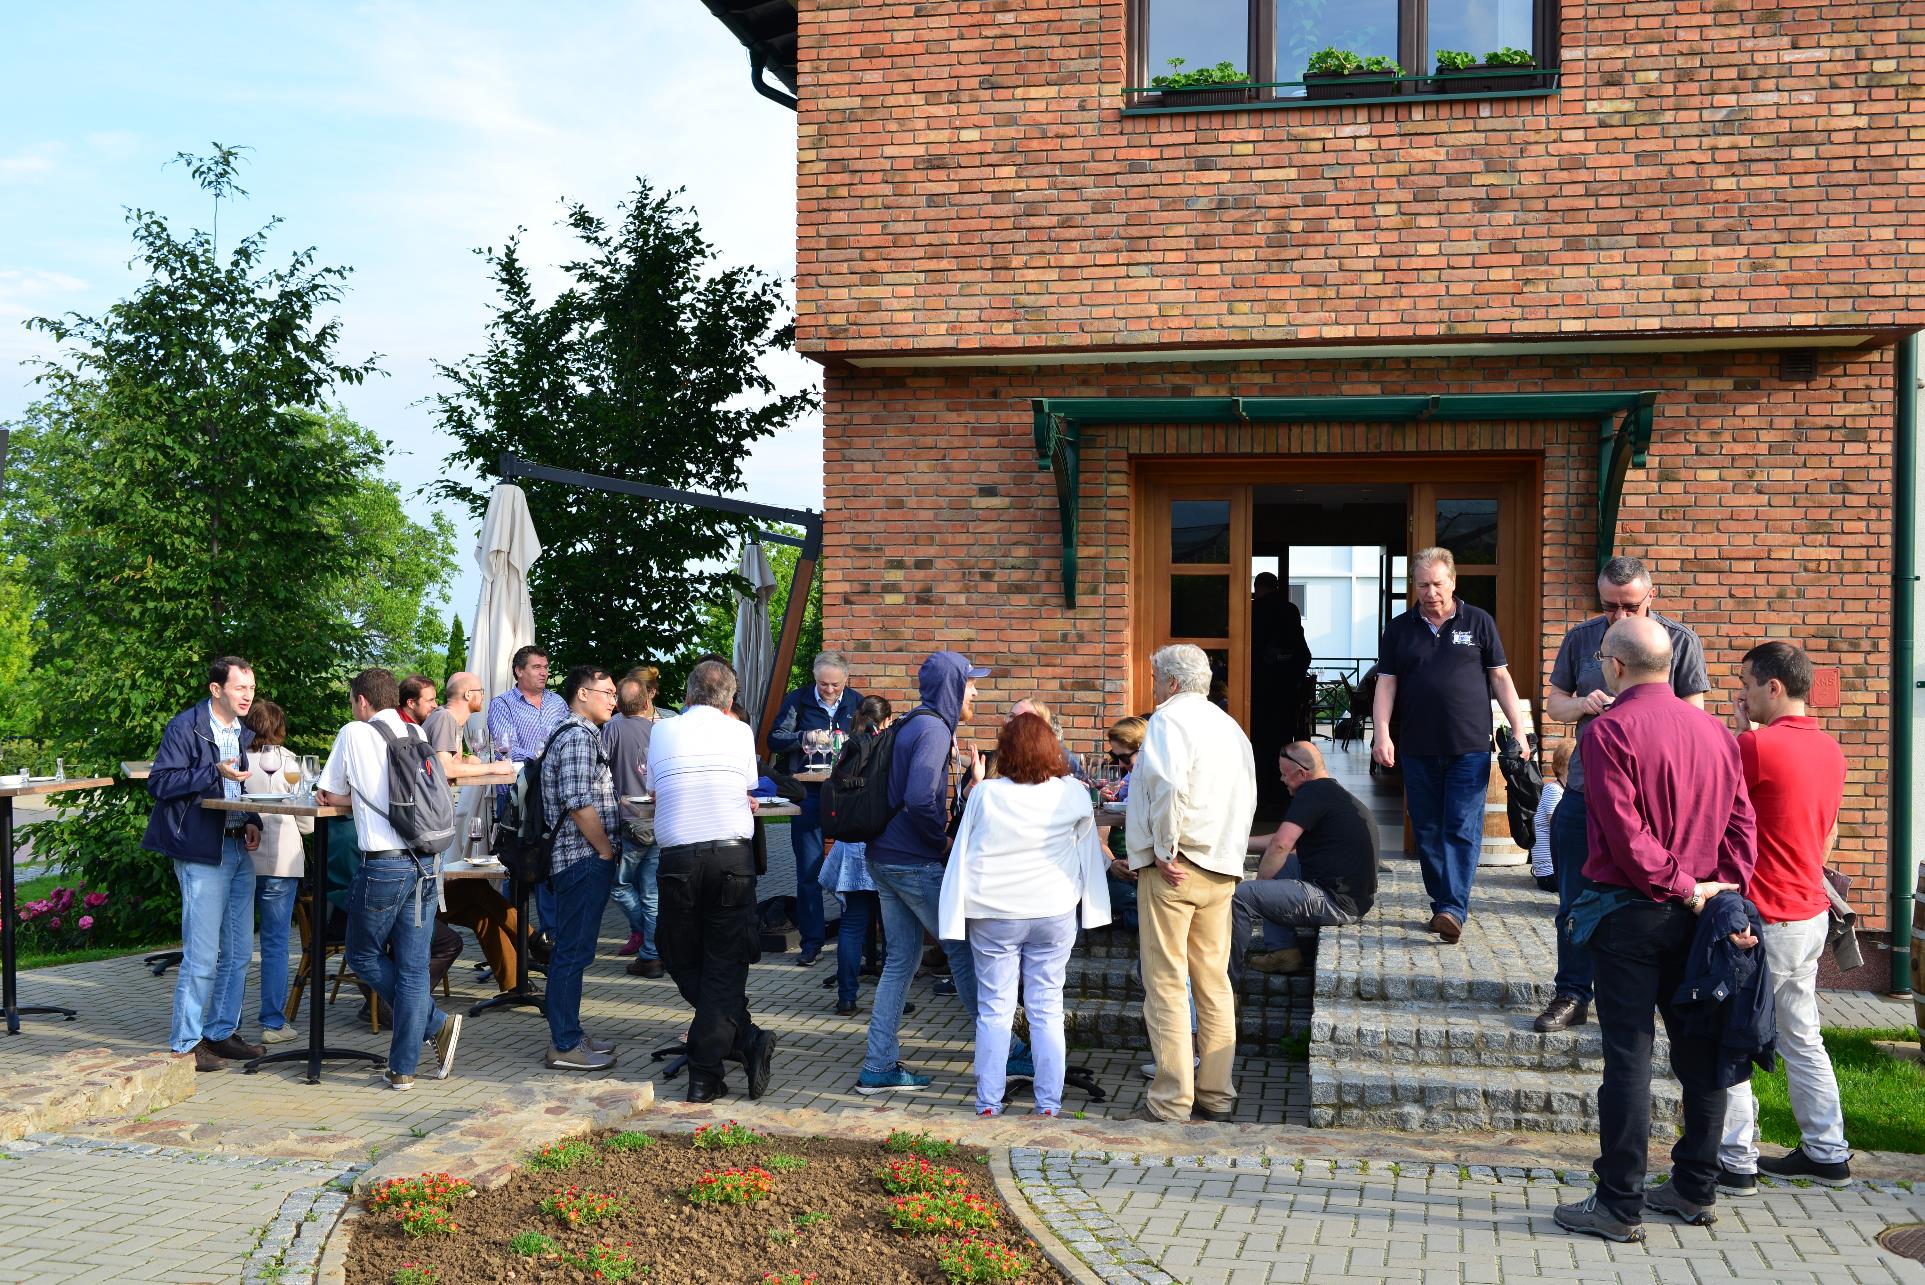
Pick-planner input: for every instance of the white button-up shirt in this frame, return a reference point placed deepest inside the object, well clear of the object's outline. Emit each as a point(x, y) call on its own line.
point(1193, 788)
point(358, 766)
point(701, 767)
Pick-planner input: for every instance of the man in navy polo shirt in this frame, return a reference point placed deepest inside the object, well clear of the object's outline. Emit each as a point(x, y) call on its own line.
point(1441, 663)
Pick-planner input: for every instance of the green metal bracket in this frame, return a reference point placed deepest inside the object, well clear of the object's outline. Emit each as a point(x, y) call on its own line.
point(1058, 444)
point(1621, 446)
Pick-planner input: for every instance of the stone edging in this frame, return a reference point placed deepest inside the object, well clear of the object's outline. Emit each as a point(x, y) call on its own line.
point(86, 1083)
point(289, 1250)
point(1060, 1255)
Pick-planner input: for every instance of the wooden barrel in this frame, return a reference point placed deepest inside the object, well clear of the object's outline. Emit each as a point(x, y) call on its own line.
point(1918, 951)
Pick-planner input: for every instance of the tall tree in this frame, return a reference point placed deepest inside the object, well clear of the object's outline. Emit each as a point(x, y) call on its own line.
point(457, 649)
point(181, 490)
point(648, 366)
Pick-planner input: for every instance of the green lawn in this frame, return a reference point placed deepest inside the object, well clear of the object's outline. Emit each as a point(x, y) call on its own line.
point(1884, 1098)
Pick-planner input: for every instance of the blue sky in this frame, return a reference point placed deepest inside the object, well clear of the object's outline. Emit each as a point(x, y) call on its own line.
point(394, 138)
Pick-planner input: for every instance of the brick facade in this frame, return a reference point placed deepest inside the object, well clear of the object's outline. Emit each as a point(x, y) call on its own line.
point(967, 180)
point(1764, 511)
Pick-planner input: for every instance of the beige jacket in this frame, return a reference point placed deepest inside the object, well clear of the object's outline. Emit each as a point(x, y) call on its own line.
point(280, 853)
point(1193, 789)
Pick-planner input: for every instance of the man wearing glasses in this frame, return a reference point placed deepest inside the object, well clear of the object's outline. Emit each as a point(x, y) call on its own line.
point(578, 791)
point(1578, 695)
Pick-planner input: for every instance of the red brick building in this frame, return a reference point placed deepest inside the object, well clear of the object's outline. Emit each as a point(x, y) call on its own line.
point(1089, 349)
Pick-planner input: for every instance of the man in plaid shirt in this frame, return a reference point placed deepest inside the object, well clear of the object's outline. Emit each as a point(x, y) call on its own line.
point(578, 795)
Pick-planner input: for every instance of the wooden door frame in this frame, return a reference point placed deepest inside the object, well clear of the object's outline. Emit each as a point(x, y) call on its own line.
point(1520, 478)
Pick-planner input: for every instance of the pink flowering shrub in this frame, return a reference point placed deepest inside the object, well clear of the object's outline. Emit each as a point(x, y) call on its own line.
point(65, 919)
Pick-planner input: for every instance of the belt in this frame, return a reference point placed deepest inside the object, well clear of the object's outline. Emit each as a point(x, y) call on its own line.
point(714, 847)
point(234, 832)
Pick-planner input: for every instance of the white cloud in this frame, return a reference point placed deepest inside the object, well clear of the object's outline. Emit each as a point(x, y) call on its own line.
point(30, 163)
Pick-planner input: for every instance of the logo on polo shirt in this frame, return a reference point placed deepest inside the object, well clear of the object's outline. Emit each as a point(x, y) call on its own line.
point(1463, 638)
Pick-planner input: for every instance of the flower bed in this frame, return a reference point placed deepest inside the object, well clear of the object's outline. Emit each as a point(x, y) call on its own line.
point(830, 1219)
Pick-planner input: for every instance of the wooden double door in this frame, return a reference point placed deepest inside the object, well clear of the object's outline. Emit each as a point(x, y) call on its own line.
point(1196, 540)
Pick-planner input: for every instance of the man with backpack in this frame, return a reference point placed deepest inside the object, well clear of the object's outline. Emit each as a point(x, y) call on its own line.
point(579, 808)
point(391, 903)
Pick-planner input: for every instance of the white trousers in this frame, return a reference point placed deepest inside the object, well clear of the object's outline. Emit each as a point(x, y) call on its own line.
point(1791, 957)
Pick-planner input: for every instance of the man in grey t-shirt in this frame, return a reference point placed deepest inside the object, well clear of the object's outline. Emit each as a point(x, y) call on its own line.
point(1578, 695)
point(445, 726)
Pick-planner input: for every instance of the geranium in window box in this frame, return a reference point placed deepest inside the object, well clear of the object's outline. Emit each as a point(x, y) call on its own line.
point(1339, 73)
point(1459, 73)
point(1205, 87)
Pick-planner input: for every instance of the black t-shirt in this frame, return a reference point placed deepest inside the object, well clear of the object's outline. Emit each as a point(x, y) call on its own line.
point(1443, 690)
point(1338, 848)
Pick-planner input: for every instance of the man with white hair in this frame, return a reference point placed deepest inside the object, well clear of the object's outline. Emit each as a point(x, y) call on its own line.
point(1441, 662)
point(1192, 797)
point(828, 704)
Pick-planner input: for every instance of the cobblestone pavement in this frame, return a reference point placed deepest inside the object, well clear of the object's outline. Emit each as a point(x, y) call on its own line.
point(1252, 1219)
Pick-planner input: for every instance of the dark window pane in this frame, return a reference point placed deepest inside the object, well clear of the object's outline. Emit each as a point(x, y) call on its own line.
point(1365, 27)
point(1468, 528)
point(1478, 27)
point(1199, 531)
point(1219, 677)
point(1202, 33)
point(1479, 591)
point(1199, 606)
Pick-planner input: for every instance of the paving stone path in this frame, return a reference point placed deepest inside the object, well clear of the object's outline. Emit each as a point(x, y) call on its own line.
point(1253, 1218)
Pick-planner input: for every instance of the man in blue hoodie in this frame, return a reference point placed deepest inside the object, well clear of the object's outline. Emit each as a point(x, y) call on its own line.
point(203, 755)
point(906, 861)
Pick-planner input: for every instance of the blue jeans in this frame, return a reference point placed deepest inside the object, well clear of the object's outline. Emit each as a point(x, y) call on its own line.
point(274, 898)
point(909, 897)
point(216, 939)
point(390, 928)
point(1036, 951)
point(1122, 900)
point(1445, 795)
point(581, 891)
point(1570, 845)
point(638, 892)
point(851, 936)
point(805, 836)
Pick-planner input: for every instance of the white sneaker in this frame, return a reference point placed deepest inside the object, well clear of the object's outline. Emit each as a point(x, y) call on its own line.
point(278, 1035)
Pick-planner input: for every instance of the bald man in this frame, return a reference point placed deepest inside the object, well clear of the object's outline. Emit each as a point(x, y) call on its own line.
point(1671, 830)
point(443, 727)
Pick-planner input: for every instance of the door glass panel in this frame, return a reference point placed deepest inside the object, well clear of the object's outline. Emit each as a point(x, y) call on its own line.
point(1468, 528)
point(1200, 531)
point(1479, 591)
point(1199, 606)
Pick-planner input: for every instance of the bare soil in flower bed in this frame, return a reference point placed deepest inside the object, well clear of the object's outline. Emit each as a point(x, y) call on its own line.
point(671, 1239)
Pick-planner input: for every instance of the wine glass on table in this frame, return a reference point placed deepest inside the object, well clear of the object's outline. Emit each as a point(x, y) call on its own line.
point(310, 773)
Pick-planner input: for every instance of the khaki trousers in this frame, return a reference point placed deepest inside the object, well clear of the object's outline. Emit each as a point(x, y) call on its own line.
point(1184, 935)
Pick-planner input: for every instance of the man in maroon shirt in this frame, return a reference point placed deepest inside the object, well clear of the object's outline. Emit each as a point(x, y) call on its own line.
point(1796, 776)
point(1670, 828)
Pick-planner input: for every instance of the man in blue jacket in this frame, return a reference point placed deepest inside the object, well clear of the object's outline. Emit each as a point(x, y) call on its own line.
point(203, 755)
point(906, 861)
point(827, 704)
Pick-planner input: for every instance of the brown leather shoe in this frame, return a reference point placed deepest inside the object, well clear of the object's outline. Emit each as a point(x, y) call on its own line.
point(645, 968)
point(1446, 927)
point(1561, 1014)
point(1284, 962)
point(206, 1059)
point(235, 1047)
point(1205, 1113)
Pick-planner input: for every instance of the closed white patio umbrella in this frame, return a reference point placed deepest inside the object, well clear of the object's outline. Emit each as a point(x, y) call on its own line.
point(754, 643)
point(504, 617)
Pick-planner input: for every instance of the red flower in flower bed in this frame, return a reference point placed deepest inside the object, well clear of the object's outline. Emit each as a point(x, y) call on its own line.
point(936, 1212)
point(732, 1187)
point(916, 1174)
point(574, 1206)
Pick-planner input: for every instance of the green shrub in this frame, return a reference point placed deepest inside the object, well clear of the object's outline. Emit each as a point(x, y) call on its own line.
point(1455, 59)
point(1509, 57)
point(1224, 73)
point(1333, 62)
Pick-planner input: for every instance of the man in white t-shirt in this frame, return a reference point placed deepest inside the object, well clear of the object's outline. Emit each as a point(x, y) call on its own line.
point(391, 903)
point(702, 767)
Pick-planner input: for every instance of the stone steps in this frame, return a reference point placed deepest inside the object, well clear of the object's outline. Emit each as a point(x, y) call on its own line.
point(1116, 979)
point(1118, 1025)
point(1430, 1036)
point(1451, 1099)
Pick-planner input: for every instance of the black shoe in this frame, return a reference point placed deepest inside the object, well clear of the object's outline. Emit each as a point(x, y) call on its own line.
point(808, 957)
point(1666, 1199)
point(761, 1053)
point(907, 1008)
point(828, 983)
point(1737, 1184)
point(1796, 1164)
point(1592, 1219)
point(1205, 1113)
point(846, 1010)
point(699, 1092)
point(639, 967)
point(540, 947)
point(870, 968)
point(945, 986)
point(1561, 1014)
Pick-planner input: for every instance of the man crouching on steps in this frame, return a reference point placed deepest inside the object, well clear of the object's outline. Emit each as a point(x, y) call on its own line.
point(391, 903)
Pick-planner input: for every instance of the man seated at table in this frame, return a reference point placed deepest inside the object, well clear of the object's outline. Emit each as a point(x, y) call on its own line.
point(1319, 868)
point(391, 902)
point(417, 699)
point(203, 755)
point(475, 904)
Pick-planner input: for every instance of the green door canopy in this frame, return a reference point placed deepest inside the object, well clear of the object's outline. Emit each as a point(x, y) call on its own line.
point(1623, 420)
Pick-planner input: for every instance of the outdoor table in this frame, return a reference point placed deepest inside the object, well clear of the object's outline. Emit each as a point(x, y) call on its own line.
point(317, 1050)
point(8, 919)
point(477, 773)
point(1112, 813)
point(813, 776)
point(136, 769)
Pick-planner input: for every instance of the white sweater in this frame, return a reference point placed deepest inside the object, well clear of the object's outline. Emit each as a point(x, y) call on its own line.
point(1024, 852)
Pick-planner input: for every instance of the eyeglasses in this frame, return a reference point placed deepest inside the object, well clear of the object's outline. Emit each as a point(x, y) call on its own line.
point(601, 691)
point(1300, 765)
point(1621, 608)
point(1601, 655)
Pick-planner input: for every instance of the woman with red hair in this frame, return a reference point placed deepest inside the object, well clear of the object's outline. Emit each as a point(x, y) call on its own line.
point(1024, 863)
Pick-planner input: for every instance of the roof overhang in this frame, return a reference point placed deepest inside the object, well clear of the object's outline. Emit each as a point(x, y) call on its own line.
point(767, 29)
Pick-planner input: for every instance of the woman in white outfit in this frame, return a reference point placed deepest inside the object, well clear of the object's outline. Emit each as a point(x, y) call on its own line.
point(277, 863)
point(1024, 864)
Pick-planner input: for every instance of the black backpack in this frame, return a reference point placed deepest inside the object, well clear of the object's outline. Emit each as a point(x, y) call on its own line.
point(524, 836)
point(421, 806)
point(855, 798)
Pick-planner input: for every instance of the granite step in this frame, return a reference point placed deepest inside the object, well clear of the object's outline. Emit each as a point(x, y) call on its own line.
point(1116, 979)
point(1118, 1025)
point(1357, 1033)
point(1467, 1099)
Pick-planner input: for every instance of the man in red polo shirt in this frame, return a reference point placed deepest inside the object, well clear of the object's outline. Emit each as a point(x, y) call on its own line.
point(1796, 775)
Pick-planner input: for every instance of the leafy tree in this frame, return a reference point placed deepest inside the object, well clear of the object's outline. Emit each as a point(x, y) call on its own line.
point(181, 490)
point(457, 649)
point(646, 366)
point(19, 707)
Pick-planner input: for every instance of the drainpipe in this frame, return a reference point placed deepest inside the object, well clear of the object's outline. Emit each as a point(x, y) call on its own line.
point(1901, 871)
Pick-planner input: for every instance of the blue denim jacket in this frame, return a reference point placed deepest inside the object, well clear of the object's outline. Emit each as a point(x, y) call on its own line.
point(185, 772)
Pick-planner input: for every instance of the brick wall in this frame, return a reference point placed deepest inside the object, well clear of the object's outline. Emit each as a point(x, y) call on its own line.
point(966, 180)
point(1764, 511)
